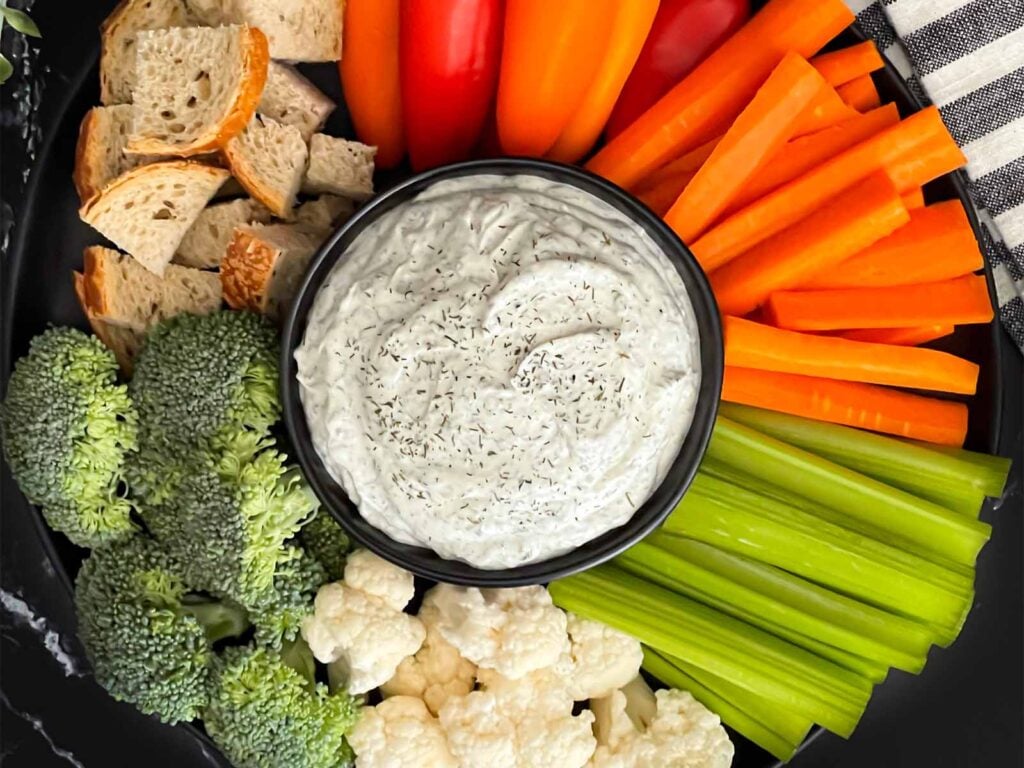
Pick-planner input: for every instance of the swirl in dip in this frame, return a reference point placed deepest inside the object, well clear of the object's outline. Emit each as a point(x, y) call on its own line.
point(500, 369)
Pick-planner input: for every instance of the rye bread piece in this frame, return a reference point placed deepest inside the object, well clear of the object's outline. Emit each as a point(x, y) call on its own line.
point(290, 99)
point(99, 155)
point(339, 167)
point(269, 160)
point(125, 343)
point(204, 244)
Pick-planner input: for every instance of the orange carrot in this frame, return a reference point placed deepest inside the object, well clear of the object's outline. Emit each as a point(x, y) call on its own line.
point(762, 347)
point(801, 155)
point(538, 93)
point(849, 223)
point(824, 111)
point(660, 197)
point(912, 152)
point(759, 130)
point(630, 26)
point(844, 402)
point(905, 337)
point(688, 163)
point(937, 244)
point(703, 104)
point(369, 74)
point(846, 64)
point(914, 199)
point(961, 301)
point(861, 94)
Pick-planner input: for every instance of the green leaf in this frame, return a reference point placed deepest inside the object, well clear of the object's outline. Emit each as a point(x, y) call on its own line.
point(21, 21)
point(6, 70)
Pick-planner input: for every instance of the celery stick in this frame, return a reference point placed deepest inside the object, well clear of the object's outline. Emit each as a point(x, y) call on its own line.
point(739, 521)
point(940, 530)
point(898, 543)
point(945, 479)
point(990, 471)
point(748, 657)
point(769, 597)
point(731, 708)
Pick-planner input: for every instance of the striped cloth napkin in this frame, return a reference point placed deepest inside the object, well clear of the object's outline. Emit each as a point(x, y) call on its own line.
point(967, 58)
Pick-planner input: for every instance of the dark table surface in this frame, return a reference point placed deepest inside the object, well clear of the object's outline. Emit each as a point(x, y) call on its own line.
point(965, 710)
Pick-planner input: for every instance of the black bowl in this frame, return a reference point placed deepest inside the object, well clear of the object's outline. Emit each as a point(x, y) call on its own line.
point(425, 562)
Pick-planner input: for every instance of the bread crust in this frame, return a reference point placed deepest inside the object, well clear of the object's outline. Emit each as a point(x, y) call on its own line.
point(255, 60)
point(246, 271)
point(84, 175)
point(121, 341)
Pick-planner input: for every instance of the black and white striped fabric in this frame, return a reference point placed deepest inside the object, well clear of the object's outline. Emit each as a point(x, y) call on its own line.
point(967, 58)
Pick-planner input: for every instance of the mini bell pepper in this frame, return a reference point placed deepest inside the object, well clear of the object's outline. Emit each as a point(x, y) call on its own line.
point(552, 52)
point(450, 54)
point(632, 23)
point(369, 76)
point(683, 34)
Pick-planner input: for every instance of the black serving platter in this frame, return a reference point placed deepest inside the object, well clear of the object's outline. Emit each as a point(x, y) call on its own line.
point(47, 244)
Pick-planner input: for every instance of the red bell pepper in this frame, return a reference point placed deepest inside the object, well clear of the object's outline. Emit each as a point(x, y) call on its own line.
point(449, 62)
point(684, 33)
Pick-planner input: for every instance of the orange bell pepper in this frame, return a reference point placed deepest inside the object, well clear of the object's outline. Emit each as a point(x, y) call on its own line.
point(552, 53)
point(633, 20)
point(369, 76)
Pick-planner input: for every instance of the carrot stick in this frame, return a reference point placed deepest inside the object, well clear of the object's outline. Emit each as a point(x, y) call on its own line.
point(688, 163)
point(827, 109)
point(914, 199)
point(762, 347)
point(912, 152)
point(801, 155)
point(844, 402)
point(937, 244)
point(703, 104)
point(761, 128)
point(662, 196)
point(846, 64)
point(905, 337)
point(961, 301)
point(861, 93)
point(849, 223)
point(630, 26)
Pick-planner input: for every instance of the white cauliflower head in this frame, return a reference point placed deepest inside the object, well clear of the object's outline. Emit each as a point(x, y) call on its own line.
point(362, 633)
point(513, 631)
point(522, 723)
point(376, 576)
point(682, 734)
point(436, 672)
point(398, 733)
point(603, 658)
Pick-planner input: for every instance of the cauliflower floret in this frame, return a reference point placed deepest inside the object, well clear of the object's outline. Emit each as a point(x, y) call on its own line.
point(376, 576)
point(362, 633)
point(436, 673)
point(398, 733)
point(603, 658)
point(682, 734)
point(521, 723)
point(513, 631)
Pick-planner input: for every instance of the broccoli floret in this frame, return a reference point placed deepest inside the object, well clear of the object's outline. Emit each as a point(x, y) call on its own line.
point(327, 541)
point(278, 617)
point(149, 640)
point(265, 711)
point(199, 382)
point(67, 428)
point(228, 523)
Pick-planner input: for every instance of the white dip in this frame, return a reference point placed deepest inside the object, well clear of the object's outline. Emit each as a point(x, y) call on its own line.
point(500, 370)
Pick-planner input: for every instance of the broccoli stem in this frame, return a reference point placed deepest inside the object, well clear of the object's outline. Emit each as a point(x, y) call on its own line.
point(219, 620)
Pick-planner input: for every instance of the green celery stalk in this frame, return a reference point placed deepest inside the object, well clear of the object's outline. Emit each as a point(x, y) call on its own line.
point(771, 728)
point(946, 479)
point(938, 529)
point(764, 529)
point(783, 604)
point(991, 471)
point(899, 544)
point(748, 657)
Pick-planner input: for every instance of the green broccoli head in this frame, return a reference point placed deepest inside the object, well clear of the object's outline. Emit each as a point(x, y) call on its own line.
point(149, 642)
point(228, 521)
point(327, 541)
point(199, 382)
point(278, 615)
point(266, 712)
point(67, 428)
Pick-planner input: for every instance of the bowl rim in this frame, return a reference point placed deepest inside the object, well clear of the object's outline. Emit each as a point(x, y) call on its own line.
point(425, 562)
